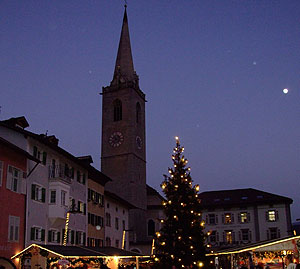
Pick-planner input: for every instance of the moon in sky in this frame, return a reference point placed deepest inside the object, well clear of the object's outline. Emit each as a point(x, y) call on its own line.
point(285, 91)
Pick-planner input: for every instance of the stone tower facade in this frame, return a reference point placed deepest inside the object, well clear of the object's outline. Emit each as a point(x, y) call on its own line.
point(123, 155)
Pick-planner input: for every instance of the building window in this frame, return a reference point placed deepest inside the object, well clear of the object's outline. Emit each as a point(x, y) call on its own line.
point(13, 179)
point(78, 176)
point(1, 172)
point(213, 237)
point(228, 237)
point(38, 193)
point(54, 236)
point(80, 238)
point(228, 218)
point(44, 161)
point(138, 112)
point(52, 196)
point(108, 219)
point(37, 234)
point(273, 233)
point(151, 227)
point(244, 217)
point(81, 207)
point(245, 234)
point(63, 198)
point(272, 215)
point(13, 228)
point(117, 110)
point(108, 241)
point(117, 223)
point(212, 219)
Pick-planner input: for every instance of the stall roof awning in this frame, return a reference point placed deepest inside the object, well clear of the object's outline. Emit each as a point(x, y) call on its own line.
point(286, 243)
point(83, 252)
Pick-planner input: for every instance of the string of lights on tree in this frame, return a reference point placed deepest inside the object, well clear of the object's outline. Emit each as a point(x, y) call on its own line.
point(180, 242)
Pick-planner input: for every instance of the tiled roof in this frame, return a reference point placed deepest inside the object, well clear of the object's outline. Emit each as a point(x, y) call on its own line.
point(240, 197)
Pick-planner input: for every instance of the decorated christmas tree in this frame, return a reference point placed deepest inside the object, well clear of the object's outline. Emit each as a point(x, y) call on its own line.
point(180, 242)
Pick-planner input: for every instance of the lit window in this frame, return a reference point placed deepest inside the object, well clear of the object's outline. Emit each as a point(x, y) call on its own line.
point(244, 217)
point(271, 215)
point(228, 237)
point(228, 218)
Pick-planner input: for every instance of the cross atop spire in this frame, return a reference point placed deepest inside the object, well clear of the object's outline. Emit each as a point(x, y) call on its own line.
point(124, 69)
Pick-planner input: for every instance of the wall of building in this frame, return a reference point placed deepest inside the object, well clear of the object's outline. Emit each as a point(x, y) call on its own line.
point(11, 204)
point(120, 212)
point(96, 208)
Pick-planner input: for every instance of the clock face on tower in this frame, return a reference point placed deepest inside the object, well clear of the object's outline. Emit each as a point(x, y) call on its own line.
point(116, 139)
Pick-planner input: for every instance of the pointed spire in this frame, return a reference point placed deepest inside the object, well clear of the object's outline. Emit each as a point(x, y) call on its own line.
point(124, 70)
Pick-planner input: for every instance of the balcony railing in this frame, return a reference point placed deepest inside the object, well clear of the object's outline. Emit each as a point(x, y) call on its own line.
point(58, 172)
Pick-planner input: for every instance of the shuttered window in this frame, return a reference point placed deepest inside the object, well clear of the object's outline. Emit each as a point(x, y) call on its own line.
point(15, 180)
point(13, 228)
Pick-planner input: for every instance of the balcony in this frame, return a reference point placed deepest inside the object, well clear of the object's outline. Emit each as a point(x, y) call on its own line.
point(58, 172)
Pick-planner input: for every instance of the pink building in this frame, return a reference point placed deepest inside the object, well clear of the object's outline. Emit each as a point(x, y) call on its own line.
point(13, 167)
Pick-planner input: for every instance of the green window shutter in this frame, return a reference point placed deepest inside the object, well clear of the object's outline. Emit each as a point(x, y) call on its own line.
point(32, 232)
point(63, 235)
point(49, 236)
point(84, 209)
point(58, 237)
point(43, 195)
point(72, 237)
point(84, 239)
point(72, 173)
point(83, 179)
point(33, 191)
point(44, 157)
point(77, 238)
point(9, 178)
point(35, 151)
point(78, 176)
point(43, 235)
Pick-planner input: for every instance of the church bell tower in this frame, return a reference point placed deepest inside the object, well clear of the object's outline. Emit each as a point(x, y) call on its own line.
point(123, 145)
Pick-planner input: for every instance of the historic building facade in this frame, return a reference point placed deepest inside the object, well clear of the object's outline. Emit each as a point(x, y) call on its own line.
point(13, 176)
point(243, 216)
point(56, 186)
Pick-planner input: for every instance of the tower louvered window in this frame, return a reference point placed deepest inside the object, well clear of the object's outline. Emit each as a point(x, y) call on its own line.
point(138, 112)
point(117, 110)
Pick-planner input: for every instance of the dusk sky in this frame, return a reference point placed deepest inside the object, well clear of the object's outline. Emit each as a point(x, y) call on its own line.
point(213, 73)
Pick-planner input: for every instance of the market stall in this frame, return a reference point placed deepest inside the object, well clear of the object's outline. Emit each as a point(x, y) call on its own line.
point(263, 254)
point(60, 257)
